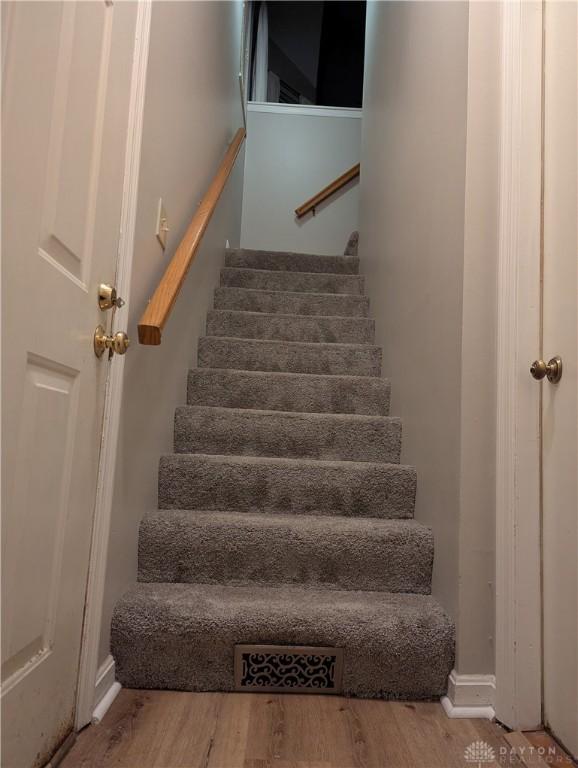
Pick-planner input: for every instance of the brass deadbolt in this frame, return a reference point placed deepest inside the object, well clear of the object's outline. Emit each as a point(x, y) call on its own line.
point(118, 343)
point(552, 370)
point(107, 297)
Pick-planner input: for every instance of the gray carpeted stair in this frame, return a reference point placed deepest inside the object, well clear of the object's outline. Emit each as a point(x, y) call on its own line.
point(182, 636)
point(224, 547)
point(285, 515)
point(240, 431)
point(300, 486)
point(292, 302)
point(289, 356)
point(303, 282)
point(288, 391)
point(291, 262)
point(261, 325)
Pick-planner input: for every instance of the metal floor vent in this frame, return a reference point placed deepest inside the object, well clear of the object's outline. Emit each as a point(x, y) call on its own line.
point(288, 668)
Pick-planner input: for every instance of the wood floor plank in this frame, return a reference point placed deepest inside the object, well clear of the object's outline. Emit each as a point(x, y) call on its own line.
point(537, 749)
point(467, 732)
point(296, 728)
point(424, 739)
point(230, 735)
point(551, 749)
point(316, 730)
point(166, 729)
point(383, 739)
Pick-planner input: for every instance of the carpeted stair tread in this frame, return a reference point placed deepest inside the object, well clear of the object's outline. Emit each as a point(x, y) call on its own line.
point(320, 329)
point(241, 548)
point(291, 262)
point(299, 486)
point(215, 430)
point(291, 302)
point(305, 392)
point(289, 356)
point(182, 636)
point(274, 280)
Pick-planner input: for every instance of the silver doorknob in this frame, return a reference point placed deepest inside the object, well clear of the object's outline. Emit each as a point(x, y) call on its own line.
point(552, 370)
point(118, 343)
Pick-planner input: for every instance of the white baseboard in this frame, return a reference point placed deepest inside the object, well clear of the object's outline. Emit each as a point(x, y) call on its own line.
point(470, 696)
point(105, 690)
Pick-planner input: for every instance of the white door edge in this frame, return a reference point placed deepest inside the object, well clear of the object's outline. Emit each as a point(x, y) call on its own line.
point(88, 672)
point(518, 599)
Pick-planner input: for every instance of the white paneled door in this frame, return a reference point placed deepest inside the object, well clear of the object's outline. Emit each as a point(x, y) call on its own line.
point(560, 401)
point(67, 71)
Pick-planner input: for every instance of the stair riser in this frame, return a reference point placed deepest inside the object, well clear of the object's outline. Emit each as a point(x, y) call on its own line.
point(291, 262)
point(289, 392)
point(252, 325)
point(287, 303)
point(303, 282)
point(258, 433)
point(260, 485)
point(248, 355)
point(187, 547)
point(186, 642)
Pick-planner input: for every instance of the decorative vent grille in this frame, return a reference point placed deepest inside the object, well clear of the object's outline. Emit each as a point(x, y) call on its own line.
point(288, 668)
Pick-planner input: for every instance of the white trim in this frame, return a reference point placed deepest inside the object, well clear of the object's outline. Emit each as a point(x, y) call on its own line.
point(105, 679)
point(88, 671)
point(469, 713)
point(518, 609)
point(106, 690)
point(311, 110)
point(105, 703)
point(470, 696)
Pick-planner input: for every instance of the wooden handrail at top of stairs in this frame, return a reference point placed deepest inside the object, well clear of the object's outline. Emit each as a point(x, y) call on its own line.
point(327, 191)
point(160, 305)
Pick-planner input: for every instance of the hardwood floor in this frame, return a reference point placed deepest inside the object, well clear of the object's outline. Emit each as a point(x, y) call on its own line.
point(165, 729)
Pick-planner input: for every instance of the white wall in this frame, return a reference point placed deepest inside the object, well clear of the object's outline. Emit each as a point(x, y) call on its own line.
point(411, 242)
point(192, 110)
point(476, 604)
point(428, 227)
point(292, 153)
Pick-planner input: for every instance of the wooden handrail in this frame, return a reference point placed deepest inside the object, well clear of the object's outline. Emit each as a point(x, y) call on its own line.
point(159, 307)
point(327, 191)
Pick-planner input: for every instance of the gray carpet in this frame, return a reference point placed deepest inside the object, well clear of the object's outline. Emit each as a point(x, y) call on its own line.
point(289, 356)
point(286, 434)
point(288, 391)
point(281, 280)
point(292, 302)
point(228, 548)
point(262, 325)
point(182, 636)
point(285, 516)
point(300, 486)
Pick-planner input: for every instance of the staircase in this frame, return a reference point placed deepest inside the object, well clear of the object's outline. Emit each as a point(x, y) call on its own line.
point(285, 517)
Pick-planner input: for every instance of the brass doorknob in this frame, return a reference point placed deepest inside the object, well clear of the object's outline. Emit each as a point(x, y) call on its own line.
point(118, 343)
point(552, 370)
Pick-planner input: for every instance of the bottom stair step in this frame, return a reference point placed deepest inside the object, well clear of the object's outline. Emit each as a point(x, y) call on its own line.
point(183, 636)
